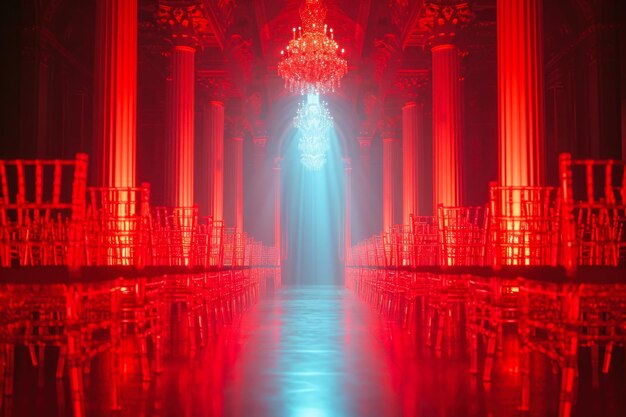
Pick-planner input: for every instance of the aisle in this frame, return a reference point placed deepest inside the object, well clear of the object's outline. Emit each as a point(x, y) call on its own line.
point(312, 352)
point(309, 352)
point(320, 352)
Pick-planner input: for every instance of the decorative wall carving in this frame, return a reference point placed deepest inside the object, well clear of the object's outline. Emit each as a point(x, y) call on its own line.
point(412, 84)
point(385, 49)
point(216, 85)
point(240, 49)
point(185, 24)
point(444, 20)
point(236, 126)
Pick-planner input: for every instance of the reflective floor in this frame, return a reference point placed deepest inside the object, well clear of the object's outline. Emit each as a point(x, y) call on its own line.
point(317, 352)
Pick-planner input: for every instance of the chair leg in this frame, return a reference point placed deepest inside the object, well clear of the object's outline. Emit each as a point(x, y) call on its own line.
point(32, 352)
point(567, 391)
point(440, 327)
point(473, 342)
point(143, 356)
point(9, 369)
point(61, 362)
point(76, 381)
point(489, 358)
point(525, 373)
point(191, 330)
point(606, 363)
point(595, 364)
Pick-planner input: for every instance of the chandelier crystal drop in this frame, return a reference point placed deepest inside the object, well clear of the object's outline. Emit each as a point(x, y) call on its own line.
point(312, 63)
point(313, 120)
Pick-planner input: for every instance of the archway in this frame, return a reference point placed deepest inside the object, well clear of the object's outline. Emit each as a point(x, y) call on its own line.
point(312, 207)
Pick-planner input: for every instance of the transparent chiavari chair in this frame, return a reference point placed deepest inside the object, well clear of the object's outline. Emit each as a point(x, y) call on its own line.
point(524, 225)
point(463, 233)
point(203, 242)
point(80, 320)
point(425, 240)
point(42, 210)
point(118, 226)
point(593, 196)
point(559, 318)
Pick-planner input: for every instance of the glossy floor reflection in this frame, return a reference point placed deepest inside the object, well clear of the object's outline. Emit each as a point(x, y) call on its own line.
point(317, 352)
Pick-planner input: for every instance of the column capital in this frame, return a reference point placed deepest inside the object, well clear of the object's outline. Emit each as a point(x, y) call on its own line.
point(214, 102)
point(391, 139)
point(260, 141)
point(236, 127)
point(215, 85)
point(259, 131)
point(412, 84)
point(444, 19)
point(365, 142)
point(184, 22)
point(391, 128)
point(412, 103)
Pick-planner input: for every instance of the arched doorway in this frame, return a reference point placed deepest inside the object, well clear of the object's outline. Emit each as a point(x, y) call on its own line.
point(312, 217)
point(312, 207)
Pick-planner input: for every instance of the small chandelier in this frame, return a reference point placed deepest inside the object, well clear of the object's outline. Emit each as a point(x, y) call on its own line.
point(312, 62)
point(314, 120)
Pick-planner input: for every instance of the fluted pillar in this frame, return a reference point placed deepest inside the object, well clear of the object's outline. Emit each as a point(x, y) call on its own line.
point(181, 148)
point(520, 92)
point(259, 155)
point(412, 119)
point(277, 214)
point(184, 23)
point(115, 106)
point(238, 171)
point(390, 144)
point(348, 209)
point(213, 128)
point(444, 21)
point(446, 125)
point(365, 144)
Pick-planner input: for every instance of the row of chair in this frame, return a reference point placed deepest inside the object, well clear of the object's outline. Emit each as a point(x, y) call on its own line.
point(139, 318)
point(580, 223)
point(48, 216)
point(548, 317)
point(405, 273)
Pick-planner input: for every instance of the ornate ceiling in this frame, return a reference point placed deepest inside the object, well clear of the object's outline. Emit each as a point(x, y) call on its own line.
point(386, 42)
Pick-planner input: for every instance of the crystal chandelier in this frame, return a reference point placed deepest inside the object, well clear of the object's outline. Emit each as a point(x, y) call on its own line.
point(313, 120)
point(312, 62)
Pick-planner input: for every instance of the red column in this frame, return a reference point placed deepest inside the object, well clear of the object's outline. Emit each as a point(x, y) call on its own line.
point(185, 24)
point(444, 20)
point(182, 108)
point(520, 92)
point(115, 108)
point(389, 165)
point(257, 192)
point(363, 187)
point(446, 125)
point(214, 132)
point(259, 155)
point(348, 208)
point(277, 228)
point(238, 171)
point(365, 144)
point(412, 119)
